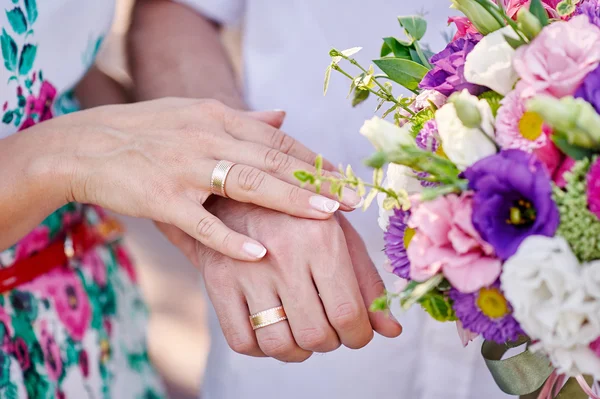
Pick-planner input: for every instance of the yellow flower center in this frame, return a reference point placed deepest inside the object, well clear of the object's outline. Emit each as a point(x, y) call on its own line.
point(440, 152)
point(408, 236)
point(530, 126)
point(492, 303)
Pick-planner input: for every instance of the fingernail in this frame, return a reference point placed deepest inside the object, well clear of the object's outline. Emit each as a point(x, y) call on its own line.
point(351, 198)
point(278, 110)
point(255, 250)
point(324, 204)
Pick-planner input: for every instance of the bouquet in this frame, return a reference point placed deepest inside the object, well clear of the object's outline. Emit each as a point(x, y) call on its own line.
point(491, 199)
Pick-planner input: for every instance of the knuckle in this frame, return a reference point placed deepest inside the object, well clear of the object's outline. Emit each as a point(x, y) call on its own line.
point(276, 161)
point(274, 345)
point(213, 108)
point(315, 339)
point(207, 226)
point(241, 343)
point(251, 179)
point(362, 341)
point(281, 141)
point(346, 316)
point(293, 195)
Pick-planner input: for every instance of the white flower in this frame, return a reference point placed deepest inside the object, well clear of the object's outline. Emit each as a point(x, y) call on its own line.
point(490, 63)
point(591, 278)
point(428, 97)
point(544, 285)
point(575, 361)
point(399, 177)
point(386, 136)
point(465, 146)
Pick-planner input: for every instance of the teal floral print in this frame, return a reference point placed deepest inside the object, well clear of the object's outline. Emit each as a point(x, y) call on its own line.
point(78, 331)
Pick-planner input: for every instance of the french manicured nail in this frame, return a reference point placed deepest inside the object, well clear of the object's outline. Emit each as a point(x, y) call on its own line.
point(324, 204)
point(351, 198)
point(255, 250)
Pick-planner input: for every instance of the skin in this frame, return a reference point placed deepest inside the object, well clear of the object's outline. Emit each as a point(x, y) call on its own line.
point(319, 270)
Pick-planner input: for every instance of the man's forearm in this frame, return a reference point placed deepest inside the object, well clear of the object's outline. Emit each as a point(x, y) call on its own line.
point(174, 51)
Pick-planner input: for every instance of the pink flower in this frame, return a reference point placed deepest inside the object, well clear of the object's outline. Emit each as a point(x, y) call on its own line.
point(593, 188)
point(465, 335)
point(63, 286)
point(518, 129)
point(27, 124)
point(33, 242)
point(42, 104)
point(446, 241)
point(52, 359)
point(463, 27)
point(595, 346)
point(512, 7)
point(21, 352)
point(559, 174)
point(424, 100)
point(558, 60)
point(93, 260)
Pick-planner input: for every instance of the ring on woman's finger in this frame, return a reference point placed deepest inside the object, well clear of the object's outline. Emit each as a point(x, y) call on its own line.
point(267, 317)
point(219, 176)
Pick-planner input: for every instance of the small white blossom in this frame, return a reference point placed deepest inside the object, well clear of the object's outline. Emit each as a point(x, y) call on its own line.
point(385, 136)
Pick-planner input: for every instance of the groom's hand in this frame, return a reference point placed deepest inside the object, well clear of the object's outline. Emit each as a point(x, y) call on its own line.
point(324, 286)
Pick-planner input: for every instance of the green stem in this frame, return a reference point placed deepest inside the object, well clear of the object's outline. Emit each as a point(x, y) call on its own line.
point(421, 55)
point(500, 15)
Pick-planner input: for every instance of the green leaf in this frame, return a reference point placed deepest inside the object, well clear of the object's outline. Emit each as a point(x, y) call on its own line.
point(319, 163)
point(27, 58)
point(512, 42)
point(565, 7)
point(9, 51)
point(404, 72)
point(304, 177)
point(415, 291)
point(8, 117)
point(380, 304)
point(571, 150)
point(398, 48)
point(359, 97)
point(327, 77)
point(414, 25)
point(537, 9)
point(438, 306)
point(32, 12)
point(17, 20)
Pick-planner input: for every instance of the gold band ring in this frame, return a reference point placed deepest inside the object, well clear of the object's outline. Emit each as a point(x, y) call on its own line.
point(219, 176)
point(267, 317)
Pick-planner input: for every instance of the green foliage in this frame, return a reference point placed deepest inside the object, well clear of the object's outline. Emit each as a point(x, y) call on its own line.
point(32, 11)
point(380, 304)
point(360, 95)
point(493, 99)
point(572, 150)
point(398, 48)
point(27, 57)
point(419, 120)
point(536, 8)
point(404, 72)
point(415, 26)
point(17, 20)
point(566, 7)
point(438, 305)
point(578, 225)
point(9, 51)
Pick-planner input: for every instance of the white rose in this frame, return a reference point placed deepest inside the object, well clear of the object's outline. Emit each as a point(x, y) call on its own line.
point(386, 136)
point(591, 277)
point(543, 283)
point(464, 146)
point(490, 63)
point(398, 177)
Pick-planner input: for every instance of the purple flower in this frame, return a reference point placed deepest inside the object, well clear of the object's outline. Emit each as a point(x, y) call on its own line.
point(427, 140)
point(513, 200)
point(447, 75)
point(591, 9)
point(486, 312)
point(590, 89)
point(397, 237)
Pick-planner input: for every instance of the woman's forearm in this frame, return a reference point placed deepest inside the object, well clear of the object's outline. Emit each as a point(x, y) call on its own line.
point(35, 180)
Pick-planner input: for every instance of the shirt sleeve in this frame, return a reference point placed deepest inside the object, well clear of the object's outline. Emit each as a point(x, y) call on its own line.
point(225, 12)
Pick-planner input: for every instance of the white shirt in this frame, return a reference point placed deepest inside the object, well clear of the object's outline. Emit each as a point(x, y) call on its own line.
point(285, 47)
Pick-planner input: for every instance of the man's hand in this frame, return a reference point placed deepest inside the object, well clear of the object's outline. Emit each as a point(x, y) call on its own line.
point(324, 280)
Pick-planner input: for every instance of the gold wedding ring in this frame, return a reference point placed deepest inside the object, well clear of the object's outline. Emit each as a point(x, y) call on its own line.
point(219, 176)
point(267, 317)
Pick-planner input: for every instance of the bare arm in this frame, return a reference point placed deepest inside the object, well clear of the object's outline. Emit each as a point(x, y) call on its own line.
point(185, 57)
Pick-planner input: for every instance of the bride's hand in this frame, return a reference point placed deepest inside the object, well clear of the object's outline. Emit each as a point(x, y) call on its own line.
point(155, 160)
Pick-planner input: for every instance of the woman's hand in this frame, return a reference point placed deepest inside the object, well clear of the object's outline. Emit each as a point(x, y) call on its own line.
point(155, 160)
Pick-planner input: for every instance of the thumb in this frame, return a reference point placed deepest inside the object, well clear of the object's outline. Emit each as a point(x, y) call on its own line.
point(274, 118)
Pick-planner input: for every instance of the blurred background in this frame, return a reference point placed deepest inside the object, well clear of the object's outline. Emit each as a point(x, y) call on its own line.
point(179, 339)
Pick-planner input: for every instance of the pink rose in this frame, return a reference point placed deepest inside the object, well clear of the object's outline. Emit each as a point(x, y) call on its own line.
point(558, 60)
point(446, 242)
point(512, 7)
point(463, 27)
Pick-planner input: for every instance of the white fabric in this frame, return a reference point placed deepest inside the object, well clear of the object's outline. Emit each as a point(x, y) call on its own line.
point(286, 45)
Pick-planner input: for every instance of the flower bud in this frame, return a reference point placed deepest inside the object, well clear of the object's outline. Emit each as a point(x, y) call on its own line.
point(483, 21)
point(467, 112)
point(528, 23)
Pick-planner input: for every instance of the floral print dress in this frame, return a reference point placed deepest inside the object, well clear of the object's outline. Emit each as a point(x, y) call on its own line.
point(75, 332)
